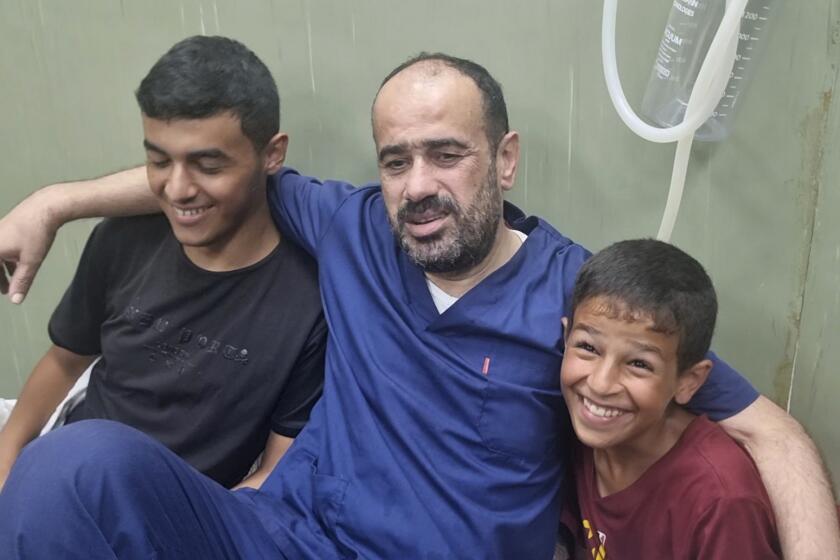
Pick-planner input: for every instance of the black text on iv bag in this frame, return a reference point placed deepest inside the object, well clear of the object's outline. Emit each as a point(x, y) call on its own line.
point(689, 32)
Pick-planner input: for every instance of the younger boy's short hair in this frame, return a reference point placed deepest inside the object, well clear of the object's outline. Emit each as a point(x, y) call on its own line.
point(646, 278)
point(201, 77)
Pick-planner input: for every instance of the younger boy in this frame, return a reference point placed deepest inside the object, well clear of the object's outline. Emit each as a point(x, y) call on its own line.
point(654, 480)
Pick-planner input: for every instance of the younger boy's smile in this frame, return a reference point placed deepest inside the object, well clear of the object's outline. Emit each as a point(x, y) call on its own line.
point(600, 411)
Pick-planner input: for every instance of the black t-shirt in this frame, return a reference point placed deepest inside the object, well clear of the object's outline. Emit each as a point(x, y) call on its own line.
point(206, 362)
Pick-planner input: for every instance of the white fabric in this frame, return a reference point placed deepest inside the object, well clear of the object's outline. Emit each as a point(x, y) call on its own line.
point(80, 385)
point(443, 301)
point(6, 405)
point(560, 553)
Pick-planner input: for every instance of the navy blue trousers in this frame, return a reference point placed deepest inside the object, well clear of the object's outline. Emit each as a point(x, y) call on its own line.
point(99, 489)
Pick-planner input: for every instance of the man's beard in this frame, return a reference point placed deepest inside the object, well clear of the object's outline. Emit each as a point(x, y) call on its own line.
point(459, 248)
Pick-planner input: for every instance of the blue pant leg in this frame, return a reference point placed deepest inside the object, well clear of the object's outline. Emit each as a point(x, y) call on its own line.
point(98, 489)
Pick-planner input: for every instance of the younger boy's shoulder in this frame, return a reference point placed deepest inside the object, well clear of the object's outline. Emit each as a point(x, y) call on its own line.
point(728, 468)
point(714, 474)
point(731, 514)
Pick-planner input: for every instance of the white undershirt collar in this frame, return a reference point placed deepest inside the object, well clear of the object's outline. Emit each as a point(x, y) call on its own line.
point(444, 301)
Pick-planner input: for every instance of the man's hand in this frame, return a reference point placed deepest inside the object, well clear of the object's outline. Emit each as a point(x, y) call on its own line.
point(26, 235)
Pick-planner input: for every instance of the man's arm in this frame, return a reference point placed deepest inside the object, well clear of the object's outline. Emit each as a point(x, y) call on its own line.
point(48, 384)
point(275, 448)
point(794, 476)
point(27, 232)
point(304, 207)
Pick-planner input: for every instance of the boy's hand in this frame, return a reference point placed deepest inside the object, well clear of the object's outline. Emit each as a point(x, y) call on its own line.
point(26, 235)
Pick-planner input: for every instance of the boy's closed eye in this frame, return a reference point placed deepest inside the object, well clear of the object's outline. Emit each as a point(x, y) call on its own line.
point(585, 346)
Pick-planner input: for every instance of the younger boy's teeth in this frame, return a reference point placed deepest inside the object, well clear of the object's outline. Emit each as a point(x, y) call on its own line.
point(600, 410)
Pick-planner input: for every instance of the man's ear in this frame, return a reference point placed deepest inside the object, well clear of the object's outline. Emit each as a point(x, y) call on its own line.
point(507, 158)
point(691, 380)
point(275, 152)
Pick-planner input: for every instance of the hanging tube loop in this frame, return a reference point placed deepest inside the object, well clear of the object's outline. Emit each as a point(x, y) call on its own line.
point(708, 88)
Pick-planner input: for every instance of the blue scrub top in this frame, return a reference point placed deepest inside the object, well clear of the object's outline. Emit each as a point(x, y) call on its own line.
point(438, 435)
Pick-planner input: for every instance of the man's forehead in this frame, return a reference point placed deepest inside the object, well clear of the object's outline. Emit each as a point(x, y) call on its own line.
point(445, 101)
point(429, 83)
point(428, 70)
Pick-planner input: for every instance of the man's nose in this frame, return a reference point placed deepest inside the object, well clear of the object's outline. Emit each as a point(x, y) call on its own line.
point(420, 181)
point(180, 185)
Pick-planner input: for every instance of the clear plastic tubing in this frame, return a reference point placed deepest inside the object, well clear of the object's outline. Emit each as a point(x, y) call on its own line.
point(708, 90)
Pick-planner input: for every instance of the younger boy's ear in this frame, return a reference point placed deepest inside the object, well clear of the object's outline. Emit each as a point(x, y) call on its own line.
point(565, 322)
point(691, 380)
point(275, 152)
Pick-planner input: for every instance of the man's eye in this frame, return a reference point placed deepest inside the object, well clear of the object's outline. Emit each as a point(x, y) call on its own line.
point(395, 164)
point(209, 170)
point(159, 164)
point(447, 158)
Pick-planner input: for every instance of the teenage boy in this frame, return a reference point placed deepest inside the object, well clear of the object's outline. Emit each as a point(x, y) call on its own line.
point(654, 480)
point(209, 325)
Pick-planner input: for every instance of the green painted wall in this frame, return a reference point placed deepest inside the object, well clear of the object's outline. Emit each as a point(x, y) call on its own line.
point(760, 209)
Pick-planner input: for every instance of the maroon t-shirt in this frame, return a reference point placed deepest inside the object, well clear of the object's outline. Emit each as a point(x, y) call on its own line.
point(703, 500)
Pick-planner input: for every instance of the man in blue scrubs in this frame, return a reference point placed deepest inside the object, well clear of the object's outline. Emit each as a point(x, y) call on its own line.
point(441, 432)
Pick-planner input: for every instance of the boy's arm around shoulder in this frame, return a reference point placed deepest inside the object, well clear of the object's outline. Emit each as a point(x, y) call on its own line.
point(796, 481)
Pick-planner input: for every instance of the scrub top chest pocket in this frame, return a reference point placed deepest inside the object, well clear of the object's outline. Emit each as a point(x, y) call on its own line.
point(521, 406)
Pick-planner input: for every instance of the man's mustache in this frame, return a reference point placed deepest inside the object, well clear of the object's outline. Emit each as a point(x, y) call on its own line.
point(434, 204)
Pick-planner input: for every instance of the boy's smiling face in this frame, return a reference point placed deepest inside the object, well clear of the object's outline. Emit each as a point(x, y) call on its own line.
point(619, 376)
